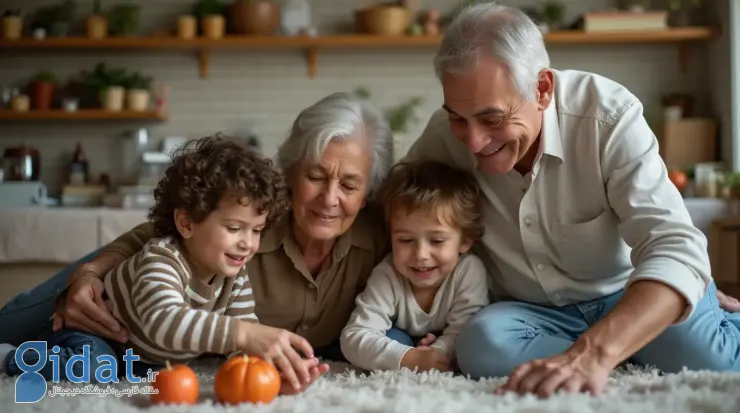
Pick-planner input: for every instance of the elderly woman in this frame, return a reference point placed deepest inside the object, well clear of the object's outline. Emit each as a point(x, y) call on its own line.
point(308, 269)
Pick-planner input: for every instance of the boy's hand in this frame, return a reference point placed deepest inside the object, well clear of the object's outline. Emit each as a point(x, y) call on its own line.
point(428, 340)
point(276, 346)
point(425, 358)
point(316, 370)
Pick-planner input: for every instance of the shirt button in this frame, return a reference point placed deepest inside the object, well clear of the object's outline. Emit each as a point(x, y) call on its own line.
point(556, 296)
point(540, 266)
point(304, 327)
point(527, 221)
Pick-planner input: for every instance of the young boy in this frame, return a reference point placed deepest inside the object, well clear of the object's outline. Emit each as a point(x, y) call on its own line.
point(187, 291)
point(429, 283)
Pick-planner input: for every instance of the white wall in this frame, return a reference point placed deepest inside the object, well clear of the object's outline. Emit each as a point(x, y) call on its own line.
point(720, 74)
point(734, 29)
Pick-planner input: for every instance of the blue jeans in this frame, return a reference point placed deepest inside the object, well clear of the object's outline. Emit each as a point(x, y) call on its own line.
point(71, 343)
point(506, 334)
point(22, 318)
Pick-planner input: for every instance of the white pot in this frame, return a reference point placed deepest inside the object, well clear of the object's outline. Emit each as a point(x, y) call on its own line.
point(113, 100)
point(138, 99)
point(70, 104)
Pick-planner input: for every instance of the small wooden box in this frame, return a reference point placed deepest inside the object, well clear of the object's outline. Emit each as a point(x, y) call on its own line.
point(687, 142)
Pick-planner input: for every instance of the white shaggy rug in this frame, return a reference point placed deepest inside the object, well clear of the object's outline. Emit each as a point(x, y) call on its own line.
point(633, 390)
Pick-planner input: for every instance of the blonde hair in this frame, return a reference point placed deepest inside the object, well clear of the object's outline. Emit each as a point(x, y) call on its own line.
point(450, 192)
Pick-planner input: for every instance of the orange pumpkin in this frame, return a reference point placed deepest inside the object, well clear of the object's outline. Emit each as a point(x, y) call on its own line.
point(247, 379)
point(175, 385)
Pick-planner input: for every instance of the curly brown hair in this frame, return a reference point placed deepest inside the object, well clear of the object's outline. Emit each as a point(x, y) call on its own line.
point(204, 171)
point(443, 189)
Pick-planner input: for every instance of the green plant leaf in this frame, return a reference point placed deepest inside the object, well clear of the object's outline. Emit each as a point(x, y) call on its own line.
point(204, 8)
point(124, 19)
point(45, 76)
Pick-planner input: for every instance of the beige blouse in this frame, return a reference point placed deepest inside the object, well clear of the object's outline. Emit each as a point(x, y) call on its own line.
point(286, 294)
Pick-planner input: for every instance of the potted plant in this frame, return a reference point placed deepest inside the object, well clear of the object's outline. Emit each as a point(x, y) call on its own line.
point(108, 85)
point(187, 26)
point(61, 17)
point(54, 19)
point(42, 88)
point(96, 25)
point(731, 185)
point(138, 92)
point(12, 24)
point(41, 22)
point(124, 19)
point(553, 12)
point(210, 13)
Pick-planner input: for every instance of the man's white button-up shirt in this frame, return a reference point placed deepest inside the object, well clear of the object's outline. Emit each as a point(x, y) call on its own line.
point(596, 213)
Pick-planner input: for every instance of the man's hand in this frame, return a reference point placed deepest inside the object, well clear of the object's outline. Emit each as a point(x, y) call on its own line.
point(83, 309)
point(424, 359)
point(315, 371)
point(728, 303)
point(576, 370)
point(646, 309)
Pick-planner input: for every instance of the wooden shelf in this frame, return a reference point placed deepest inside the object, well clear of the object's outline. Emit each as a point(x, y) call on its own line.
point(677, 35)
point(82, 114)
point(680, 36)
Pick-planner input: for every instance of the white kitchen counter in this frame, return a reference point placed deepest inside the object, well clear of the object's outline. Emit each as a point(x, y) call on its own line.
point(60, 235)
point(705, 210)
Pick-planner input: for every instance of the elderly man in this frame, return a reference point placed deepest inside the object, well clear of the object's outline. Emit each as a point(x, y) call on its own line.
point(592, 254)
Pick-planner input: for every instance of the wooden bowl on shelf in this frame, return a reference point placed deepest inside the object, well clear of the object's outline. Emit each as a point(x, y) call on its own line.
point(261, 17)
point(383, 20)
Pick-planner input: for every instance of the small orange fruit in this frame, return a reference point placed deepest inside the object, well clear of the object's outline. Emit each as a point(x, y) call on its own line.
point(176, 384)
point(247, 379)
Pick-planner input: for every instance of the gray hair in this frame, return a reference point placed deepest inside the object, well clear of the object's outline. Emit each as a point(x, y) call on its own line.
point(493, 30)
point(338, 116)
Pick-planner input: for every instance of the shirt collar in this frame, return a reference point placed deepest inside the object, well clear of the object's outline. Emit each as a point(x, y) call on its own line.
point(551, 141)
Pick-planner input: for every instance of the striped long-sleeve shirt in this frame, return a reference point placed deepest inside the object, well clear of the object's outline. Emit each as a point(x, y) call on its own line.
point(171, 315)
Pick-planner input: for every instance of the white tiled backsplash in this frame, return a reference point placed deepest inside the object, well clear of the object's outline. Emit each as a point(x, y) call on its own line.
point(268, 89)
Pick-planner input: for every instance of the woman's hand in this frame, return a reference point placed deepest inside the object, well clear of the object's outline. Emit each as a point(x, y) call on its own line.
point(83, 309)
point(316, 371)
point(728, 303)
point(276, 346)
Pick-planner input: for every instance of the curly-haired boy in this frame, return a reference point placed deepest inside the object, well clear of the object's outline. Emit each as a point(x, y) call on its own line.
point(187, 291)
